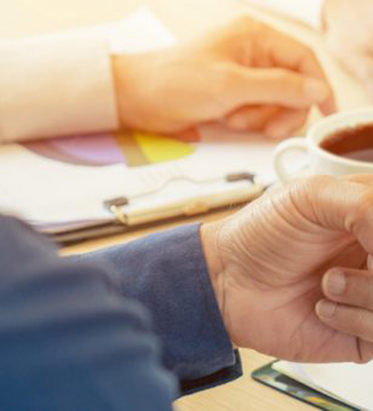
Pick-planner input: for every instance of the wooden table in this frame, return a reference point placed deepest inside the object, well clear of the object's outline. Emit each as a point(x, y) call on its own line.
point(184, 18)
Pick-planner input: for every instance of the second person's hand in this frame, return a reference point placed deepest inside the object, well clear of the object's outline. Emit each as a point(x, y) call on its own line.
point(247, 75)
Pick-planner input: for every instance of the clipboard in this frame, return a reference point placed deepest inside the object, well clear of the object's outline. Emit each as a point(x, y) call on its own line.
point(73, 192)
point(242, 189)
point(270, 377)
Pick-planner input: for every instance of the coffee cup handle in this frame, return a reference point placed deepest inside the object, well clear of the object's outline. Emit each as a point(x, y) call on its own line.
point(296, 144)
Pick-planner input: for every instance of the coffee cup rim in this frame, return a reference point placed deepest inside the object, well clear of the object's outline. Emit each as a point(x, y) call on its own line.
point(317, 129)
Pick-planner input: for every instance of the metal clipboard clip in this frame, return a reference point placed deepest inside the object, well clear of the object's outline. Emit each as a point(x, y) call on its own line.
point(116, 205)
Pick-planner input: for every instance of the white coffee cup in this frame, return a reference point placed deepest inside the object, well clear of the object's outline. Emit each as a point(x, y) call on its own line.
point(320, 161)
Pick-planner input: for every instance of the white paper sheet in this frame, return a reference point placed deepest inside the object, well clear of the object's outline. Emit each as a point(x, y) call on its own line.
point(308, 11)
point(349, 383)
point(44, 190)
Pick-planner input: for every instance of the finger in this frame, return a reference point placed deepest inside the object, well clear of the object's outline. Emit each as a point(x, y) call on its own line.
point(350, 287)
point(337, 204)
point(277, 87)
point(286, 123)
point(191, 135)
point(251, 118)
point(366, 179)
point(349, 320)
point(288, 53)
point(311, 67)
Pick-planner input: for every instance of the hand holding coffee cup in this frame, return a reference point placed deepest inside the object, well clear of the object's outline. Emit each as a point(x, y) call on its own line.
point(338, 145)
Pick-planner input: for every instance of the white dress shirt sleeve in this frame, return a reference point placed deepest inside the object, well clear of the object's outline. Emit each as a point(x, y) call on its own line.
point(56, 85)
point(308, 11)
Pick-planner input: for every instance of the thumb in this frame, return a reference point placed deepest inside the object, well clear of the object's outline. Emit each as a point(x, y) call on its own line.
point(279, 87)
point(339, 205)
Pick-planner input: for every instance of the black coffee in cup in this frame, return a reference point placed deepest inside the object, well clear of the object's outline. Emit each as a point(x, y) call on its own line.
point(355, 143)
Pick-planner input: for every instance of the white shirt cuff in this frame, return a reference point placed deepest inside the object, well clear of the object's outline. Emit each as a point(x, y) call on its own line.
point(55, 85)
point(308, 11)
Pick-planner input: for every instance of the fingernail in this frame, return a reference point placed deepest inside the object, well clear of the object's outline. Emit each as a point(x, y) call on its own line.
point(316, 90)
point(325, 308)
point(335, 282)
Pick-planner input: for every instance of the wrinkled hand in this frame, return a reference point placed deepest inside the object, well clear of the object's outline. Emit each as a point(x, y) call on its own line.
point(348, 26)
point(246, 75)
point(268, 262)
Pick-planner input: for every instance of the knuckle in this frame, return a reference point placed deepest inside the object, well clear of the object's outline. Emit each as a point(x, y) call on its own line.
point(293, 83)
point(312, 55)
point(366, 201)
point(244, 27)
point(282, 77)
point(228, 79)
point(247, 22)
point(317, 182)
point(284, 83)
point(308, 191)
point(363, 210)
point(308, 187)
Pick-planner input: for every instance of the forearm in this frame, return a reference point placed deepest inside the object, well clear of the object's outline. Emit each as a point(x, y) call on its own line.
point(167, 272)
point(69, 340)
point(56, 85)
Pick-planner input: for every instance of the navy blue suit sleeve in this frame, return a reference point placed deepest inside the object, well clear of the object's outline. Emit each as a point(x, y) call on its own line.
point(69, 340)
point(167, 273)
